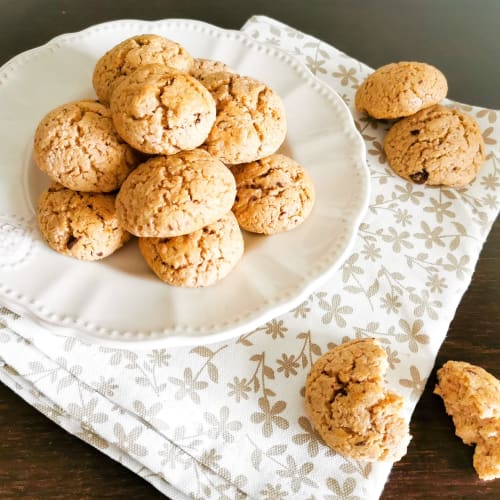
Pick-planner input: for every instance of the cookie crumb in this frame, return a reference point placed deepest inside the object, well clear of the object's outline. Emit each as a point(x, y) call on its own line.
point(471, 396)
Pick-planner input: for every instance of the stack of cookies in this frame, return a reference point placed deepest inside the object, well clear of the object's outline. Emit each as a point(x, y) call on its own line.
point(177, 151)
point(430, 144)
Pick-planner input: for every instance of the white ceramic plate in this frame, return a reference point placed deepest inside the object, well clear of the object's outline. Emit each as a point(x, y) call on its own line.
point(118, 300)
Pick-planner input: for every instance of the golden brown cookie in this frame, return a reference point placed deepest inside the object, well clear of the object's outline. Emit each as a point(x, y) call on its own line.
point(77, 145)
point(401, 89)
point(174, 195)
point(197, 259)
point(251, 120)
point(127, 56)
point(436, 146)
point(160, 111)
point(80, 225)
point(471, 396)
point(273, 194)
point(350, 407)
point(201, 68)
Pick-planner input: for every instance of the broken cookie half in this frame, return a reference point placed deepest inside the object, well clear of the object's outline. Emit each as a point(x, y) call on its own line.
point(351, 408)
point(471, 396)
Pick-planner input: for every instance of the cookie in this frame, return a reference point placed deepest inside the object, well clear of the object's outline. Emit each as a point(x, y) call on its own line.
point(175, 195)
point(349, 406)
point(127, 56)
point(201, 68)
point(400, 89)
point(80, 225)
point(77, 145)
point(471, 396)
point(273, 195)
point(436, 146)
point(198, 259)
point(251, 120)
point(160, 111)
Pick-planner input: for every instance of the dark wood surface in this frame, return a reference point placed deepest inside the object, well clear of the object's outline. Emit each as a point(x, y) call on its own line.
point(39, 460)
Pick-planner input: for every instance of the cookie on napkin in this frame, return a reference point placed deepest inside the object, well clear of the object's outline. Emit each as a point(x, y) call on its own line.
point(400, 89)
point(436, 146)
point(350, 407)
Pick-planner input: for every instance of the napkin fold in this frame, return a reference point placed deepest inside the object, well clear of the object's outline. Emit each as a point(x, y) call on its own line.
point(227, 420)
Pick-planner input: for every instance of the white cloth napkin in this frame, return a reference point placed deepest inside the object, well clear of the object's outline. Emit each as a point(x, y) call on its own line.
point(227, 420)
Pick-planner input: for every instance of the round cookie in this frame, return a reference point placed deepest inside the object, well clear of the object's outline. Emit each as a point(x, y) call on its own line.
point(174, 195)
point(77, 145)
point(273, 195)
point(197, 259)
point(349, 406)
point(160, 111)
point(124, 58)
point(251, 120)
point(436, 146)
point(201, 68)
point(80, 225)
point(400, 89)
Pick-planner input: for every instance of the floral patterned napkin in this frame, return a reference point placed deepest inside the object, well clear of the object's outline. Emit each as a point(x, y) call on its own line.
point(227, 420)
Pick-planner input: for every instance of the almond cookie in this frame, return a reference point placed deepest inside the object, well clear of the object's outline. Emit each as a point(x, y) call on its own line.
point(273, 194)
point(471, 396)
point(251, 120)
point(197, 259)
point(174, 195)
point(80, 225)
point(201, 68)
point(436, 146)
point(160, 111)
point(401, 89)
point(77, 145)
point(127, 56)
point(350, 407)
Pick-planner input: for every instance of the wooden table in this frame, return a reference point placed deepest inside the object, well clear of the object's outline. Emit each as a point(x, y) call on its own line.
point(461, 37)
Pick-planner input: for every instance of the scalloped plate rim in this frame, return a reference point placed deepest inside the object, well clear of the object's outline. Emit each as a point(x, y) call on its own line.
point(159, 339)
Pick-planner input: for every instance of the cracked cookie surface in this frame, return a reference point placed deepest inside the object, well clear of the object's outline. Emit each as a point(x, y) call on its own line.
point(174, 195)
point(273, 194)
point(350, 407)
point(400, 89)
point(201, 68)
point(198, 259)
point(124, 58)
point(80, 225)
point(160, 111)
point(250, 122)
point(77, 145)
point(471, 396)
point(436, 146)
